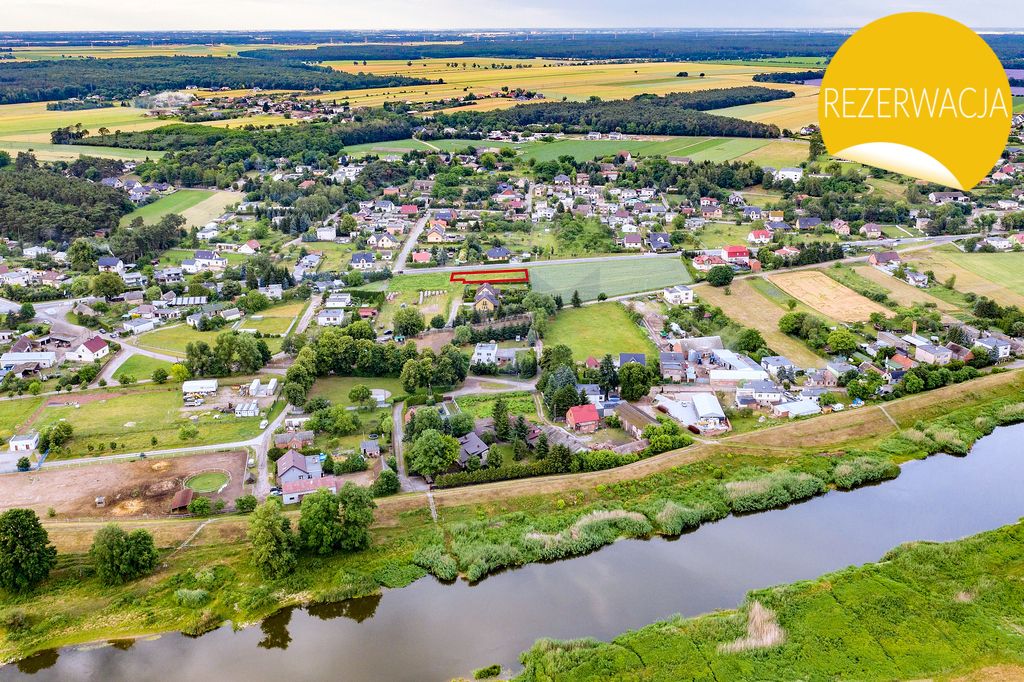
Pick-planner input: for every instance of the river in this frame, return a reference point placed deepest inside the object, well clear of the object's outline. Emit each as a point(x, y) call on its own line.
point(434, 631)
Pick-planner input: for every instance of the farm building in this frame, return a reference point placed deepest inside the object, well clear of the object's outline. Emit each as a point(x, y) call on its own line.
point(26, 442)
point(247, 409)
point(199, 387)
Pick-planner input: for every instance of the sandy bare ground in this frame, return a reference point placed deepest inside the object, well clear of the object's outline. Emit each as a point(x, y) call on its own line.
point(139, 488)
point(826, 295)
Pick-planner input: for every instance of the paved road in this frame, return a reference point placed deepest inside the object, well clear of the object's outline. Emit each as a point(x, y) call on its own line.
point(410, 243)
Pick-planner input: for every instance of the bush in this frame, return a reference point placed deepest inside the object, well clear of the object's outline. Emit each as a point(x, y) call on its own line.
point(675, 519)
point(862, 471)
point(487, 672)
point(120, 557)
point(200, 506)
point(24, 464)
point(598, 460)
point(245, 503)
point(441, 564)
point(772, 490)
point(386, 484)
point(489, 475)
point(191, 598)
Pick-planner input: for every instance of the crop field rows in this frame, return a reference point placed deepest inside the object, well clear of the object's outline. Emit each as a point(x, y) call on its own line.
point(826, 296)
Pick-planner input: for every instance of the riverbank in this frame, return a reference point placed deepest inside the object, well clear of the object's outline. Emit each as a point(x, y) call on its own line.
point(925, 610)
point(476, 539)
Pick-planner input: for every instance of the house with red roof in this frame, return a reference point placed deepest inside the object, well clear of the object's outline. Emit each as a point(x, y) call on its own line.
point(420, 256)
point(737, 255)
point(703, 263)
point(93, 349)
point(409, 209)
point(787, 252)
point(583, 418)
point(250, 247)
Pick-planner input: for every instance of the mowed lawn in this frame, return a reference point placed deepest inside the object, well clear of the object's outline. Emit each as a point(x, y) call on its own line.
point(598, 330)
point(697, 148)
point(141, 367)
point(1005, 269)
point(132, 418)
point(14, 413)
point(482, 406)
point(277, 319)
point(612, 277)
point(336, 389)
point(173, 338)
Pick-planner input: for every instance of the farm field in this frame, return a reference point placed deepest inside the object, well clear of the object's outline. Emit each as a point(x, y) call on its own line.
point(612, 277)
point(792, 113)
point(112, 52)
point(13, 414)
point(996, 275)
point(598, 330)
point(778, 153)
point(391, 147)
point(1018, 104)
point(826, 295)
point(696, 148)
point(552, 78)
point(132, 418)
point(141, 367)
point(747, 305)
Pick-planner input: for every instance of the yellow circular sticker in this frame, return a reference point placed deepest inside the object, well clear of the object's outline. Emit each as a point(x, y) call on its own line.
point(918, 94)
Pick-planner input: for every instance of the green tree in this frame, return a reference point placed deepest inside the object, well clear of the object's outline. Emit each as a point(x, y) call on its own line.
point(408, 322)
point(119, 556)
point(386, 484)
point(635, 381)
point(433, 452)
point(460, 424)
point(576, 300)
point(438, 322)
point(720, 276)
point(749, 340)
point(26, 555)
point(179, 373)
point(272, 541)
point(357, 507)
point(159, 375)
point(463, 335)
point(499, 412)
point(188, 432)
point(60, 433)
point(107, 285)
point(320, 529)
point(81, 256)
point(842, 341)
point(360, 394)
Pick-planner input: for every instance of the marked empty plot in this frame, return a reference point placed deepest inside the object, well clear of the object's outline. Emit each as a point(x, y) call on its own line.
point(613, 277)
point(901, 292)
point(1000, 276)
point(827, 296)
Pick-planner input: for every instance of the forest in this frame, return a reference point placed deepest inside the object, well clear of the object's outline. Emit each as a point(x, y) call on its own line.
point(203, 155)
point(674, 114)
point(124, 78)
point(37, 205)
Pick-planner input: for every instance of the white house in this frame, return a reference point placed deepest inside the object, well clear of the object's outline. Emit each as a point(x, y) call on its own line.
point(678, 295)
point(330, 317)
point(24, 443)
point(44, 359)
point(804, 407)
point(93, 349)
point(138, 326)
point(327, 233)
point(791, 173)
point(485, 353)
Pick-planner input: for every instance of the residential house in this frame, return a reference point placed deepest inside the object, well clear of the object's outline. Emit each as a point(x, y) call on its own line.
point(471, 445)
point(363, 261)
point(678, 295)
point(583, 418)
point(138, 325)
point(638, 358)
point(497, 253)
point(293, 441)
point(777, 364)
point(759, 392)
point(673, 366)
point(884, 258)
point(759, 237)
point(998, 349)
point(92, 349)
point(805, 407)
point(933, 355)
point(659, 241)
point(871, 230)
point(593, 393)
point(737, 255)
point(487, 299)
point(485, 354)
point(948, 197)
point(110, 264)
point(330, 317)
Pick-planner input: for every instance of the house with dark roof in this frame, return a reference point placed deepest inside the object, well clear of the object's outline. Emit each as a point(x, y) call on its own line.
point(471, 445)
point(294, 466)
point(638, 358)
point(498, 253)
point(659, 241)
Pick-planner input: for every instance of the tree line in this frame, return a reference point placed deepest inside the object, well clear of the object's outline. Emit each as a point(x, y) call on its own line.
point(786, 76)
point(59, 79)
point(673, 114)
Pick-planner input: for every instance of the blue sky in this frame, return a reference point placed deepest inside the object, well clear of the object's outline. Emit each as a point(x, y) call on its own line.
point(20, 15)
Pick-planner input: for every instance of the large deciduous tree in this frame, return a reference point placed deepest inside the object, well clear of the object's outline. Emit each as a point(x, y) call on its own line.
point(26, 555)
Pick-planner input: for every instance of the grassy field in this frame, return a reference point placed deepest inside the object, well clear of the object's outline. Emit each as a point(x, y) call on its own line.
point(996, 275)
point(178, 202)
point(13, 414)
point(175, 256)
point(790, 113)
point(132, 418)
point(901, 292)
point(1018, 104)
point(277, 319)
point(121, 51)
point(406, 292)
point(336, 388)
point(140, 367)
point(717, 235)
point(826, 295)
point(696, 148)
point(597, 330)
point(925, 611)
point(394, 147)
point(172, 339)
point(208, 482)
point(613, 277)
point(747, 305)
